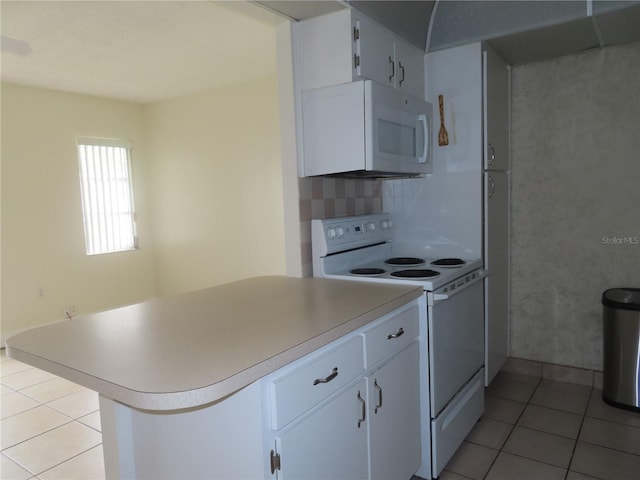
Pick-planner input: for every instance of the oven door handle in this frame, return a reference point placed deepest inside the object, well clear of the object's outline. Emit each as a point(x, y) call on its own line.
point(437, 297)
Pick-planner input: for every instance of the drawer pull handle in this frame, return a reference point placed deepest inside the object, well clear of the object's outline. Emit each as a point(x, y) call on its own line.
point(379, 390)
point(363, 412)
point(393, 69)
point(399, 333)
point(332, 375)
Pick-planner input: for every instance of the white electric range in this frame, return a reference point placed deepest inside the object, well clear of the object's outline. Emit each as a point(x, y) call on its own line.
point(361, 248)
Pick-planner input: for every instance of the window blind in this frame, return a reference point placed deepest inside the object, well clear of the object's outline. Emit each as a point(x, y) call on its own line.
point(107, 195)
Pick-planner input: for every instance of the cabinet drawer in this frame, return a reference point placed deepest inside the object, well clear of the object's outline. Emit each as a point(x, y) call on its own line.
point(310, 380)
point(391, 335)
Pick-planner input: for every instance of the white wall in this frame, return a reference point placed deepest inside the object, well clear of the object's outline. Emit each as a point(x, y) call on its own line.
point(44, 264)
point(207, 174)
point(217, 186)
point(576, 188)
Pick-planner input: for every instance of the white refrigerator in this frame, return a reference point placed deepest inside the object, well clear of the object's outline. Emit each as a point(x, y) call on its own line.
point(496, 208)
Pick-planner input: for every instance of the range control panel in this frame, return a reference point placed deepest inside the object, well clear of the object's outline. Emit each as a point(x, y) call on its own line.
point(333, 235)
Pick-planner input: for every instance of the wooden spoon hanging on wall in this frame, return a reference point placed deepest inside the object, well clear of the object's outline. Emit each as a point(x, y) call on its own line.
point(443, 136)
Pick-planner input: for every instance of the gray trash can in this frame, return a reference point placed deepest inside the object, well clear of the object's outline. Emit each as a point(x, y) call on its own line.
point(621, 336)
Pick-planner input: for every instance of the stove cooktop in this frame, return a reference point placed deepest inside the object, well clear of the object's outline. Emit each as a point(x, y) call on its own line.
point(409, 269)
point(362, 248)
point(430, 273)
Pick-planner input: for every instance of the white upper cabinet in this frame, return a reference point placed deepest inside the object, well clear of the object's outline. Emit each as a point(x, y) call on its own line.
point(374, 52)
point(345, 46)
point(410, 65)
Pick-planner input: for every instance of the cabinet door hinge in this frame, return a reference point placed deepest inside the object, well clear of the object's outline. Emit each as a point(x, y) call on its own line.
point(275, 462)
point(356, 34)
point(356, 61)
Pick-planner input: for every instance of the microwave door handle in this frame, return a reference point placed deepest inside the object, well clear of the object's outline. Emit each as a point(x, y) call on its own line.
point(423, 118)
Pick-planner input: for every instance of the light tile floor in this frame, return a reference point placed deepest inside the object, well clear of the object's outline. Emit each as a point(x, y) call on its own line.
point(50, 427)
point(545, 430)
point(531, 429)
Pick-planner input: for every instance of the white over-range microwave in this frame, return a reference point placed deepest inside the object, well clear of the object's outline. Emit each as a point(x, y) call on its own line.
point(365, 129)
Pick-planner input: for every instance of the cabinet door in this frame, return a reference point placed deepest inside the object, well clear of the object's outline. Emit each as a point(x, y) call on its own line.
point(325, 53)
point(496, 78)
point(394, 416)
point(375, 47)
point(329, 443)
point(409, 69)
point(497, 186)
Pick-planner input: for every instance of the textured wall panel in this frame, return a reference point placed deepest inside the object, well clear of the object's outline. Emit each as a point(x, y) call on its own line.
point(576, 199)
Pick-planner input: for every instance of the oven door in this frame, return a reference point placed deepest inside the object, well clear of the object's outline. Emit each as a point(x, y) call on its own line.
point(456, 340)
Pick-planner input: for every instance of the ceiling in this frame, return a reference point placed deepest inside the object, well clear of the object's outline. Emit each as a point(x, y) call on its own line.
point(522, 31)
point(148, 50)
point(138, 51)
point(527, 31)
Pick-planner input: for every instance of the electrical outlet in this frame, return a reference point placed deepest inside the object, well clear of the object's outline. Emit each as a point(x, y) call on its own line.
point(69, 311)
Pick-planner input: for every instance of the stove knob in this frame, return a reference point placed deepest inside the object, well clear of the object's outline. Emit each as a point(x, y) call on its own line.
point(340, 232)
point(384, 224)
point(331, 233)
point(372, 227)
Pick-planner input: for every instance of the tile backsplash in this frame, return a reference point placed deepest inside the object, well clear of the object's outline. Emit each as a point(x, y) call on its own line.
point(328, 197)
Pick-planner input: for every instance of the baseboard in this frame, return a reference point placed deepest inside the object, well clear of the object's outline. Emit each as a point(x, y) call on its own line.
point(551, 371)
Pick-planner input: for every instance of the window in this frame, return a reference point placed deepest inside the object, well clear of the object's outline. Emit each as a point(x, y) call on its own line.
point(107, 195)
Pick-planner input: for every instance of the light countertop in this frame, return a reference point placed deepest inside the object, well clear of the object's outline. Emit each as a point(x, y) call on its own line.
point(196, 348)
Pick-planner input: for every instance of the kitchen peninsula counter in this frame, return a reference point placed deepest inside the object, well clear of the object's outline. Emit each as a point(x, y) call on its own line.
point(196, 348)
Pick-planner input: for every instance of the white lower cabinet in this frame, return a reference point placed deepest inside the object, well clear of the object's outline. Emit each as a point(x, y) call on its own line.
point(330, 443)
point(366, 429)
point(394, 417)
point(219, 441)
point(348, 411)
